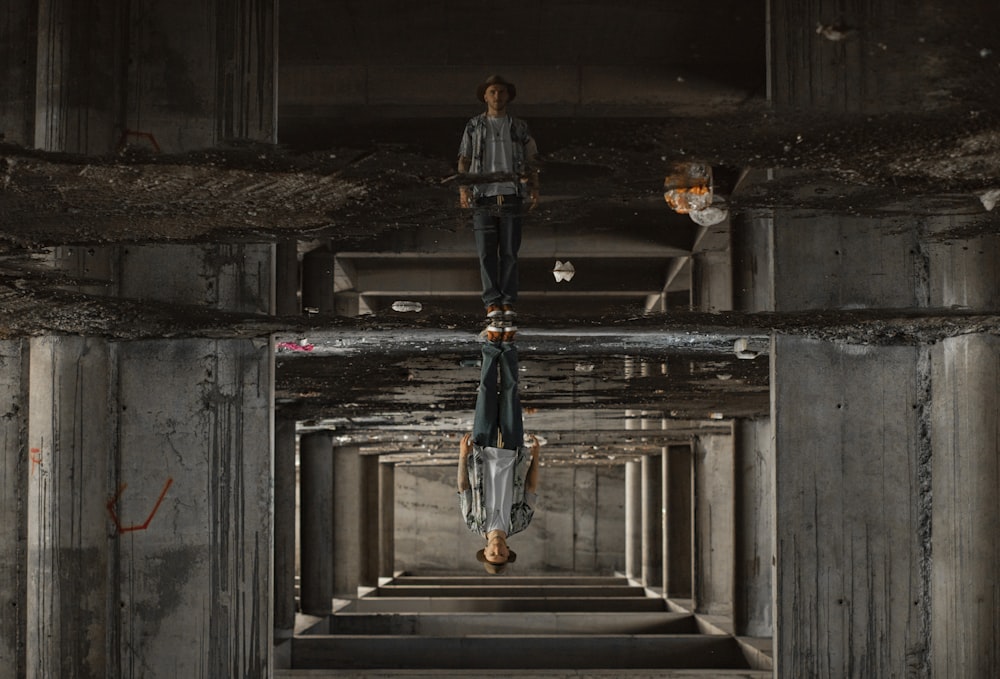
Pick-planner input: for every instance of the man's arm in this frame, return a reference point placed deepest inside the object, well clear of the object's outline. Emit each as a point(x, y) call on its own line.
point(464, 191)
point(531, 172)
point(463, 463)
point(531, 483)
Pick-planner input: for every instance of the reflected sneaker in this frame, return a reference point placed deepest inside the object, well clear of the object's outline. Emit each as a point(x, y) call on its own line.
point(493, 311)
point(495, 333)
point(508, 312)
point(509, 333)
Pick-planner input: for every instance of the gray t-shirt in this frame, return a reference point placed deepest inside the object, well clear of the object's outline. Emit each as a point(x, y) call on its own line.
point(498, 487)
point(498, 156)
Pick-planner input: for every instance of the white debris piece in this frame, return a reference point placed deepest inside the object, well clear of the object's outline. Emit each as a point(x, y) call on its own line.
point(990, 199)
point(563, 271)
point(831, 32)
point(403, 305)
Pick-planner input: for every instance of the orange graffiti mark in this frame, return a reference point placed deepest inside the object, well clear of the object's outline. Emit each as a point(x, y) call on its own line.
point(138, 526)
point(36, 459)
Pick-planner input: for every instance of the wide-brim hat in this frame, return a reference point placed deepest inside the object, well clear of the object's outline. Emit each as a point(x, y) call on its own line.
point(495, 568)
point(496, 80)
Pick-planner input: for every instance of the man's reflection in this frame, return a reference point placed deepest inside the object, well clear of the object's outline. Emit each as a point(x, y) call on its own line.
point(497, 474)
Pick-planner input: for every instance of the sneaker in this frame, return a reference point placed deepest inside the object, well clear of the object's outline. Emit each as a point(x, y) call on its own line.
point(495, 333)
point(493, 311)
point(509, 333)
point(508, 312)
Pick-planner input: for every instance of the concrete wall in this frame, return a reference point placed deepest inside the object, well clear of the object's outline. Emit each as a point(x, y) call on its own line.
point(753, 600)
point(577, 525)
point(18, 51)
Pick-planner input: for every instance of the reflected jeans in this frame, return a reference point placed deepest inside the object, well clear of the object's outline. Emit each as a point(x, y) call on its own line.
point(498, 238)
point(498, 411)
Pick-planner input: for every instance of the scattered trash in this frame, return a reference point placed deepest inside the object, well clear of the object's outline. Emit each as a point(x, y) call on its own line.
point(724, 376)
point(301, 345)
point(563, 271)
point(403, 306)
point(833, 32)
point(985, 52)
point(715, 416)
point(688, 191)
point(471, 362)
point(710, 216)
point(584, 367)
point(990, 199)
point(744, 348)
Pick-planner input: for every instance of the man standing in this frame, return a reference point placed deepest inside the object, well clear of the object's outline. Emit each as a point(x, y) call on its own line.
point(497, 474)
point(499, 146)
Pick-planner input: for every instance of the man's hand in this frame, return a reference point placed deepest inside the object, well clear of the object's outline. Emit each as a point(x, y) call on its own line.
point(465, 196)
point(465, 445)
point(536, 448)
point(462, 479)
point(533, 199)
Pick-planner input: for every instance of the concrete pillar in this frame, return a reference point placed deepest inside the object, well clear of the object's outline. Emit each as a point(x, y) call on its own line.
point(142, 496)
point(714, 521)
point(633, 519)
point(286, 279)
point(386, 520)
point(18, 52)
point(966, 508)
point(79, 90)
point(318, 281)
point(852, 503)
point(652, 515)
point(164, 78)
point(370, 521)
point(679, 521)
point(754, 504)
point(316, 487)
point(284, 526)
point(15, 466)
point(355, 513)
point(71, 577)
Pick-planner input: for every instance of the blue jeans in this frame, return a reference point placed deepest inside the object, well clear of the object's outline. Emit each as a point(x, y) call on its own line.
point(498, 238)
point(498, 411)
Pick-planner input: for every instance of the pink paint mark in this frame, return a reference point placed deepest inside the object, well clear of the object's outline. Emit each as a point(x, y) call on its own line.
point(139, 526)
point(36, 459)
point(295, 346)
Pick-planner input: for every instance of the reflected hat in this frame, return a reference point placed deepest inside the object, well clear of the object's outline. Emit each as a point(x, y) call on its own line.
point(496, 80)
point(495, 568)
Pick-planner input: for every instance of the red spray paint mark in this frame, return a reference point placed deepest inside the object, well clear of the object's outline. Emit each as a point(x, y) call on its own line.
point(36, 459)
point(139, 526)
point(123, 141)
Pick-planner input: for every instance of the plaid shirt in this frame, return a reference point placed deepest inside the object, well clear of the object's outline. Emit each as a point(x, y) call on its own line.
point(473, 501)
point(474, 139)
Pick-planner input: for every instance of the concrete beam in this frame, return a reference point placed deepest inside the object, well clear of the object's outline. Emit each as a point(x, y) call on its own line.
point(633, 519)
point(430, 624)
point(386, 519)
point(679, 520)
point(652, 518)
point(318, 562)
point(753, 581)
point(285, 491)
point(480, 605)
point(519, 652)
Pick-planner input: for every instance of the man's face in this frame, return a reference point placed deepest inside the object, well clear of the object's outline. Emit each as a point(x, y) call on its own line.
point(496, 98)
point(496, 551)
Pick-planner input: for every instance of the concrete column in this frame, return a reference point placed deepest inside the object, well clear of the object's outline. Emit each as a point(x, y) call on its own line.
point(353, 478)
point(714, 520)
point(754, 502)
point(852, 503)
point(386, 520)
point(316, 487)
point(18, 52)
point(71, 561)
point(679, 520)
point(284, 526)
point(286, 279)
point(78, 90)
point(318, 281)
point(370, 508)
point(633, 519)
point(966, 510)
point(15, 466)
point(652, 515)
